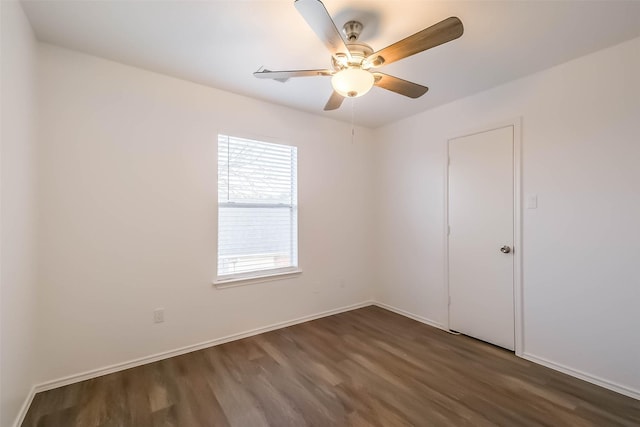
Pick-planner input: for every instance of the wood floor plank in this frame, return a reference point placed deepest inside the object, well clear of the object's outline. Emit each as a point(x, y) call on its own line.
point(367, 367)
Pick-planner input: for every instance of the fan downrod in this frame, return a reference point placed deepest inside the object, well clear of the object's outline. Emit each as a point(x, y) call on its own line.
point(352, 30)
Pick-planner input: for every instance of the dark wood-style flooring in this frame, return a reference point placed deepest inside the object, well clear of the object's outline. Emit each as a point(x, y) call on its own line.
point(367, 367)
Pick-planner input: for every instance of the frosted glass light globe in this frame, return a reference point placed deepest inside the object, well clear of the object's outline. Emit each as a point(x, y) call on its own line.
point(352, 82)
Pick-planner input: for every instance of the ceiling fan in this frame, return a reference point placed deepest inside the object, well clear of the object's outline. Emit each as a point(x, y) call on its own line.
point(353, 62)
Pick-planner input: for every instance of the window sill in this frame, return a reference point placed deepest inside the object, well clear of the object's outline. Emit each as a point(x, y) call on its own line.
point(243, 281)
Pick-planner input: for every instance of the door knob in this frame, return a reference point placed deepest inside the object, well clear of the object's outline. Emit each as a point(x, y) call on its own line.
point(505, 249)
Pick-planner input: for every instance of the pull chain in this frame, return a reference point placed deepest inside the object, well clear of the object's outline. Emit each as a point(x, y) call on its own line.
point(353, 128)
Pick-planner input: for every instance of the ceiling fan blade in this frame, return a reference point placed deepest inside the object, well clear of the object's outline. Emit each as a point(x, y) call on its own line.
point(334, 102)
point(398, 85)
point(442, 32)
point(283, 76)
point(317, 17)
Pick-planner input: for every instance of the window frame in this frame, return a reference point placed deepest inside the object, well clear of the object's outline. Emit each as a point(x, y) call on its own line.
point(266, 275)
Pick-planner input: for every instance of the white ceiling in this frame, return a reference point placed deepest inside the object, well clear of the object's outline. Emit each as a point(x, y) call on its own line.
point(221, 43)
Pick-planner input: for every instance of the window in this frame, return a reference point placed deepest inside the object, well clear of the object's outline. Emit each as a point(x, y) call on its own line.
point(257, 208)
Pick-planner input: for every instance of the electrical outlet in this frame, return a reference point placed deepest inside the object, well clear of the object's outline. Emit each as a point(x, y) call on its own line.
point(158, 315)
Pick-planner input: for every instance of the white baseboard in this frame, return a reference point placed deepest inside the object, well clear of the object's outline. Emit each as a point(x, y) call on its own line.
point(94, 373)
point(583, 376)
point(25, 408)
point(411, 315)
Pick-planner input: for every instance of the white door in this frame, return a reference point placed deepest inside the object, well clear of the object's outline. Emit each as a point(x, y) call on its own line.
point(481, 236)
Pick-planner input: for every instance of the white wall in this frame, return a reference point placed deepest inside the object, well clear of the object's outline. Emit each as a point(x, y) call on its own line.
point(581, 147)
point(128, 213)
point(18, 212)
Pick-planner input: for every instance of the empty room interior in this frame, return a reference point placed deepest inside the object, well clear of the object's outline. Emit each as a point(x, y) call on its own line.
point(319, 213)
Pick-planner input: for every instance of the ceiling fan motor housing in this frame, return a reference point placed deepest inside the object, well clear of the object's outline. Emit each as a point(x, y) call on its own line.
point(359, 52)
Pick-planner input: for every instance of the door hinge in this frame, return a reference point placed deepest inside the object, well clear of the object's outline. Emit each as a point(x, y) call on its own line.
point(448, 230)
point(449, 161)
point(449, 300)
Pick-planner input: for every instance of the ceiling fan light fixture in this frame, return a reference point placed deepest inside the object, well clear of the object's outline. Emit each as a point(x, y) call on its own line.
point(352, 82)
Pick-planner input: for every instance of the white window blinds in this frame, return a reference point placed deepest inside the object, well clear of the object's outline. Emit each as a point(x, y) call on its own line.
point(257, 207)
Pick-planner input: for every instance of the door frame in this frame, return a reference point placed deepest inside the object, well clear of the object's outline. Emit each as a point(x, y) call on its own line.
point(517, 225)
